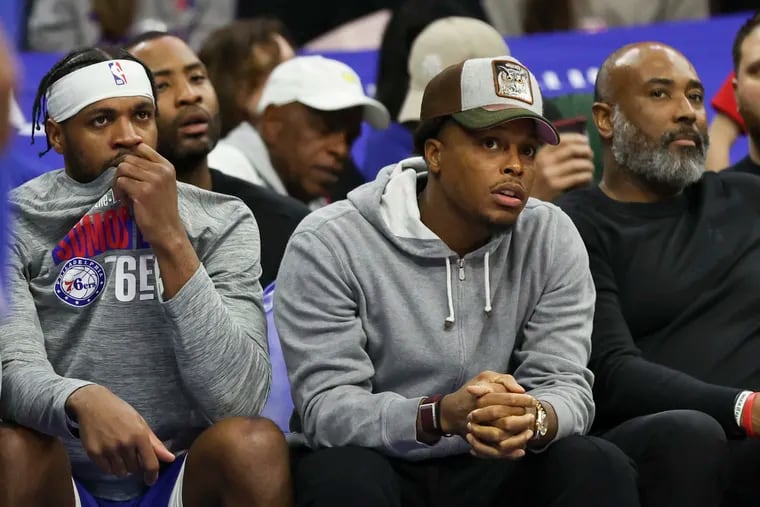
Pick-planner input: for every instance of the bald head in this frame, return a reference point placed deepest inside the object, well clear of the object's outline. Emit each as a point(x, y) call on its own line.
point(628, 63)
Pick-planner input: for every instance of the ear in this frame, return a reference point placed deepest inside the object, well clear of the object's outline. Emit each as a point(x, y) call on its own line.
point(55, 137)
point(733, 82)
point(433, 150)
point(602, 114)
point(271, 124)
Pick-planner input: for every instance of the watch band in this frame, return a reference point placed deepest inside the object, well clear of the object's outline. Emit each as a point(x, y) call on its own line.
point(541, 427)
point(430, 418)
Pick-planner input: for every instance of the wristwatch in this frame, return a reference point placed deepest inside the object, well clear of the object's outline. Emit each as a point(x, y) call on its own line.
point(430, 416)
point(541, 427)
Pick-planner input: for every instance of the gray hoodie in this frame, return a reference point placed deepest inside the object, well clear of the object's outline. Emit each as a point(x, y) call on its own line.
point(375, 312)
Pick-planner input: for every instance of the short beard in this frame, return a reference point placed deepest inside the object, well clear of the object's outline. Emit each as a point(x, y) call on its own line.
point(651, 160)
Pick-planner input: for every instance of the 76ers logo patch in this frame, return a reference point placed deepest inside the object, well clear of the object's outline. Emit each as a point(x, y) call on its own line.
point(80, 282)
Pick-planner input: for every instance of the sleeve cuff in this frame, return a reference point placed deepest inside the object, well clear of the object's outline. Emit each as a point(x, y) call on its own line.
point(64, 426)
point(567, 423)
point(400, 426)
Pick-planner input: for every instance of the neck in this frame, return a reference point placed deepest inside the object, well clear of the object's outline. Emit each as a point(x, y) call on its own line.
point(621, 184)
point(197, 175)
point(448, 223)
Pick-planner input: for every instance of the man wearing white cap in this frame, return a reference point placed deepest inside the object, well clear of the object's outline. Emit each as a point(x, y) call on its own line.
point(134, 346)
point(439, 316)
point(311, 111)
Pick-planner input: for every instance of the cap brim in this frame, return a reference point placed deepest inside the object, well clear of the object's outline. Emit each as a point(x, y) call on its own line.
point(374, 112)
point(479, 118)
point(410, 109)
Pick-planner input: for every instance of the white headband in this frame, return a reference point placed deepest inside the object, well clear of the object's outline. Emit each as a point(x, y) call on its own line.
point(103, 80)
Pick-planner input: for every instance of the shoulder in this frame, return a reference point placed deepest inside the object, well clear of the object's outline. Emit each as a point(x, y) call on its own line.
point(202, 208)
point(331, 220)
point(259, 199)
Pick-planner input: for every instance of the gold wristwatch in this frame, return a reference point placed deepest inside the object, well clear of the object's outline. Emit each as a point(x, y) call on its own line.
point(542, 424)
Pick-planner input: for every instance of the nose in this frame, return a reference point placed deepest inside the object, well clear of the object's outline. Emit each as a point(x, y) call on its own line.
point(338, 145)
point(125, 135)
point(685, 112)
point(514, 164)
point(187, 94)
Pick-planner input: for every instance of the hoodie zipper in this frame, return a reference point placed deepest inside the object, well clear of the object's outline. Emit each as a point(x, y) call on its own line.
point(461, 270)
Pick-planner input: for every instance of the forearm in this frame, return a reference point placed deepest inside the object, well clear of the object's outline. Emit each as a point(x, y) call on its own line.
point(221, 352)
point(177, 262)
point(633, 386)
point(35, 397)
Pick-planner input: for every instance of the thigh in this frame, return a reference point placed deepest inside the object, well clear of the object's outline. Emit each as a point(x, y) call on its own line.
point(344, 476)
point(564, 474)
point(680, 456)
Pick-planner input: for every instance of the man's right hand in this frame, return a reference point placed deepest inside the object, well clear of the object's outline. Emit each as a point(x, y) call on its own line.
point(559, 168)
point(455, 407)
point(114, 435)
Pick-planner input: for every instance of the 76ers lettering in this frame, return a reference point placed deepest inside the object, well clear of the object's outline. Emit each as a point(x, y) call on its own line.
point(80, 282)
point(99, 232)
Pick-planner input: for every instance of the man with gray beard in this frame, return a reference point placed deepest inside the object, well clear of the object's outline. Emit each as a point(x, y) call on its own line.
point(675, 256)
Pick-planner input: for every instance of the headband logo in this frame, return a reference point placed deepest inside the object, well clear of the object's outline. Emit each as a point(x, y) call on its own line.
point(512, 81)
point(118, 73)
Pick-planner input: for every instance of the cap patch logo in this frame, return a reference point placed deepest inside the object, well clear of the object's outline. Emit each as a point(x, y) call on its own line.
point(512, 81)
point(118, 73)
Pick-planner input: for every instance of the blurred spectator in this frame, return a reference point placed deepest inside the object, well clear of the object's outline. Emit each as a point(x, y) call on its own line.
point(307, 118)
point(7, 83)
point(444, 42)
point(188, 128)
point(725, 128)
point(405, 25)
point(62, 25)
point(746, 56)
point(516, 17)
point(239, 58)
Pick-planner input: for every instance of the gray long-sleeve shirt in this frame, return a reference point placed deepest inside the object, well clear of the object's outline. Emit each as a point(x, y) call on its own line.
point(85, 307)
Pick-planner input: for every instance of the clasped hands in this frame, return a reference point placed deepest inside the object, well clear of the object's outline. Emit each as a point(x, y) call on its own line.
point(493, 413)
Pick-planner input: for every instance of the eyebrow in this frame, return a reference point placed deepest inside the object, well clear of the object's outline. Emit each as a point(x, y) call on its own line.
point(187, 68)
point(693, 83)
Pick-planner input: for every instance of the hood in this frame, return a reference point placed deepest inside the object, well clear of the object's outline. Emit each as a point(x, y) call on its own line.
point(390, 204)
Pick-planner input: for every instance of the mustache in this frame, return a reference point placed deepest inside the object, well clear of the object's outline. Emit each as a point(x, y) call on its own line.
point(699, 139)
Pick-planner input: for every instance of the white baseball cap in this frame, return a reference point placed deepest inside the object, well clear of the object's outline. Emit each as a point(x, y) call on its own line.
point(445, 42)
point(323, 84)
point(484, 92)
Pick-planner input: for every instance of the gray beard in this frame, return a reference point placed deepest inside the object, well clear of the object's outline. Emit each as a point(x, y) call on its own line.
point(652, 161)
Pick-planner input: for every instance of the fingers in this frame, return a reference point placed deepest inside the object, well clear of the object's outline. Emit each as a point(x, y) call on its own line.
point(116, 463)
point(479, 390)
point(494, 412)
point(510, 448)
point(146, 152)
point(126, 188)
point(160, 449)
point(146, 455)
point(510, 399)
point(487, 434)
point(506, 380)
point(516, 423)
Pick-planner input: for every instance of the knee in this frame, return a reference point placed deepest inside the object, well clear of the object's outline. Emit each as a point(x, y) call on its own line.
point(688, 431)
point(599, 458)
point(239, 441)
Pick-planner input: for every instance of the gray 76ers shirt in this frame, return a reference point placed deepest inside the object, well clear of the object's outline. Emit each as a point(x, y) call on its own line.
point(85, 306)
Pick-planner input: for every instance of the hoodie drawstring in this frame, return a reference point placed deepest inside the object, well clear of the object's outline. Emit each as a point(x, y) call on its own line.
point(450, 318)
point(486, 282)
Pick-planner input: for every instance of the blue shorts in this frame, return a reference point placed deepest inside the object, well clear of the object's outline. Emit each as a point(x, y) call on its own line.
point(157, 495)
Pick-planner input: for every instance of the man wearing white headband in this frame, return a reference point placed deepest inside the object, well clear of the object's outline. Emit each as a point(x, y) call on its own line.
point(135, 332)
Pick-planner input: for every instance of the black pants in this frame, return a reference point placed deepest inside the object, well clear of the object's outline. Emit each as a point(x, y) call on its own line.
point(574, 471)
point(681, 457)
